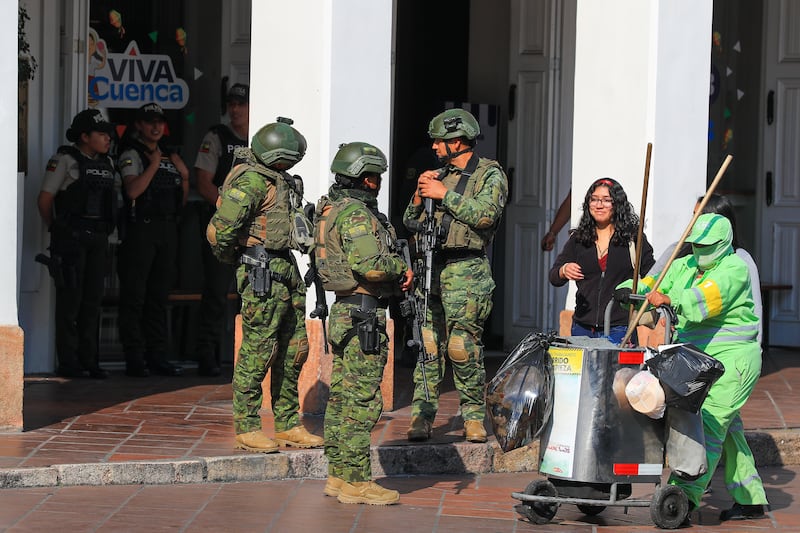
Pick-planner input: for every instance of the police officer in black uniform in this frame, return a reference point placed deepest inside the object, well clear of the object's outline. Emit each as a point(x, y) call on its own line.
point(155, 184)
point(214, 160)
point(78, 203)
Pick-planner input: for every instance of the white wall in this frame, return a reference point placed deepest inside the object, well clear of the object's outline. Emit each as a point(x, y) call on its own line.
point(8, 157)
point(330, 72)
point(642, 75)
point(48, 118)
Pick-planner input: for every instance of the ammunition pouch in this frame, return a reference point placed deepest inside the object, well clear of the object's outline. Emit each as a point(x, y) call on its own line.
point(257, 258)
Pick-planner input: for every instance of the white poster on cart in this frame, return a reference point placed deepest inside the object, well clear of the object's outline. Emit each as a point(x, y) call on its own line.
point(559, 454)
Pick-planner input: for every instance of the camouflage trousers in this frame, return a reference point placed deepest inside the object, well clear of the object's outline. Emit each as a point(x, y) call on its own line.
point(355, 401)
point(454, 327)
point(273, 336)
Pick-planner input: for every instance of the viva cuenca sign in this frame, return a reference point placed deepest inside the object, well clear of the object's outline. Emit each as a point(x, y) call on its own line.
point(132, 79)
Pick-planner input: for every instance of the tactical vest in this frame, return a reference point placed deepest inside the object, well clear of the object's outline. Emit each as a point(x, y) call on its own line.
point(229, 142)
point(91, 196)
point(457, 235)
point(270, 226)
point(331, 260)
point(163, 198)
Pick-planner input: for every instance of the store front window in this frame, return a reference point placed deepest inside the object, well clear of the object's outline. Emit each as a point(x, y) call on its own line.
point(170, 53)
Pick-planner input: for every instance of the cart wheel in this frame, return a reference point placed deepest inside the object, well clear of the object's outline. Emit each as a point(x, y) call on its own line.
point(591, 510)
point(539, 512)
point(669, 507)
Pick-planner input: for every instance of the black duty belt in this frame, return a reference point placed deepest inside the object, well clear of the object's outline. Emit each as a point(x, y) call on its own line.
point(365, 302)
point(152, 218)
point(452, 256)
point(90, 224)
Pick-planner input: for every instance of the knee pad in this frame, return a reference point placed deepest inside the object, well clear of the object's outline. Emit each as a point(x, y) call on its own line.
point(429, 341)
point(456, 350)
point(302, 351)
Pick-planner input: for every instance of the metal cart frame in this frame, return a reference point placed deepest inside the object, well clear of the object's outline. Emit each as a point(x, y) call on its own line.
point(589, 466)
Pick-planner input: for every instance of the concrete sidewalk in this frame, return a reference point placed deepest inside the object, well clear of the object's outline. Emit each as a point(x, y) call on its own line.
point(179, 430)
point(471, 503)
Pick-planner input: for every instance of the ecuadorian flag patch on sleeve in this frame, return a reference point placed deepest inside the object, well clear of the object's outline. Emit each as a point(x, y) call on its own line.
point(236, 195)
point(205, 148)
point(51, 165)
point(124, 163)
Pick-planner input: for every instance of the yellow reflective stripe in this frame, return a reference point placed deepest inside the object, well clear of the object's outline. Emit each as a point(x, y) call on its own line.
point(649, 282)
point(712, 296)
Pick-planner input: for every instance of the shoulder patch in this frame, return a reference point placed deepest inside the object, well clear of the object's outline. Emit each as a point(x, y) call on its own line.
point(205, 148)
point(236, 194)
point(51, 164)
point(356, 231)
point(124, 163)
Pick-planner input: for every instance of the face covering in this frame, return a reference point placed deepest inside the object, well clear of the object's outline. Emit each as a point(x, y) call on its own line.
point(708, 256)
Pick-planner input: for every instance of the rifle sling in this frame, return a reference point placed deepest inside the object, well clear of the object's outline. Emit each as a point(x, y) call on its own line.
point(460, 187)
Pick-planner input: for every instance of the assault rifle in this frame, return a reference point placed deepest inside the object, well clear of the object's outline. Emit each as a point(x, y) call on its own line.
point(410, 310)
point(425, 242)
point(312, 276)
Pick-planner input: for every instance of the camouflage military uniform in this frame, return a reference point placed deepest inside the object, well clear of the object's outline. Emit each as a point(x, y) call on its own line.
point(348, 220)
point(273, 324)
point(461, 286)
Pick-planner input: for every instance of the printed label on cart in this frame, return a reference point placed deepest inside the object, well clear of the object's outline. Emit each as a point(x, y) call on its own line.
point(559, 453)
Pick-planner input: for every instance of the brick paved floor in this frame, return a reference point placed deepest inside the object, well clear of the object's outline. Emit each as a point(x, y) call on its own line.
point(123, 419)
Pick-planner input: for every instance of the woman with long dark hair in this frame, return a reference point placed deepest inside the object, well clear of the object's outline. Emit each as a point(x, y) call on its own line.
point(598, 256)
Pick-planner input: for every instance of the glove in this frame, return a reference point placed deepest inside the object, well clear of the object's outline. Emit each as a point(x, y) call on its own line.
point(622, 296)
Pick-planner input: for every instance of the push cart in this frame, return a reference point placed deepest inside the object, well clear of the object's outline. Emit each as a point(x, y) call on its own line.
point(595, 445)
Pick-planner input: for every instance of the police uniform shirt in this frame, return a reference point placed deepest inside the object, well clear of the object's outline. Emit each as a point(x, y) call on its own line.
point(210, 151)
point(130, 164)
point(62, 171)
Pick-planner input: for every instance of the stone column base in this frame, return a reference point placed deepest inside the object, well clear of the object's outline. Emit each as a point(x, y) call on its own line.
point(12, 377)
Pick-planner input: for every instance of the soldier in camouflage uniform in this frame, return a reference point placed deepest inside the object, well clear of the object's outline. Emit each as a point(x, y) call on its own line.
point(470, 195)
point(255, 227)
point(355, 259)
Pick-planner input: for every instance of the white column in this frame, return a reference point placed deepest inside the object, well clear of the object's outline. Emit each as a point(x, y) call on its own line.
point(11, 335)
point(642, 75)
point(327, 65)
point(9, 219)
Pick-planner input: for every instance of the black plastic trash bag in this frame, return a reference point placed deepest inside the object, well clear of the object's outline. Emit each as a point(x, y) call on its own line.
point(686, 373)
point(519, 399)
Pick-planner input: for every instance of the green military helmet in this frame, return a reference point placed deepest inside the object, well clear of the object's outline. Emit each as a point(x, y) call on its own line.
point(454, 123)
point(279, 142)
point(353, 159)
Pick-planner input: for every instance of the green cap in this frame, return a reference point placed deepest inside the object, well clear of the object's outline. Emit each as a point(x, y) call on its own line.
point(710, 228)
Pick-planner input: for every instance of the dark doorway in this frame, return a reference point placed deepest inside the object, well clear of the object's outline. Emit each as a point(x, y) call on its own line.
point(431, 67)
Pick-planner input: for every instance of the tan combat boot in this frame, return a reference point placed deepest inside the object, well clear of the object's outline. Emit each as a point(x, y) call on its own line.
point(367, 492)
point(419, 430)
point(299, 438)
point(256, 441)
point(474, 431)
point(333, 486)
